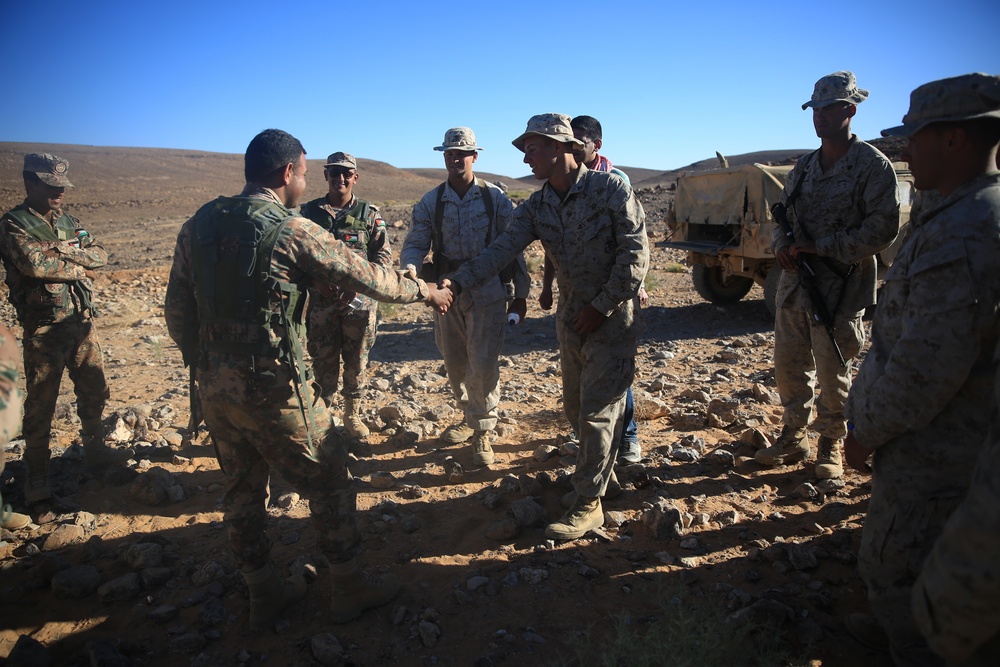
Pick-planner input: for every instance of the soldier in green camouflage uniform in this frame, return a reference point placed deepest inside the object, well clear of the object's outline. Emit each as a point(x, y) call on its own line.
point(234, 305)
point(342, 324)
point(593, 228)
point(10, 416)
point(924, 397)
point(49, 260)
point(846, 210)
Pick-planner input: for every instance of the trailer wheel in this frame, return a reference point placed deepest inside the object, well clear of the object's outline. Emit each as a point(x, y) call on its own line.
point(712, 286)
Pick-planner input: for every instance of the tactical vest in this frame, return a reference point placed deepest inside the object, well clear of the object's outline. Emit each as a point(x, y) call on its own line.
point(44, 299)
point(243, 308)
point(352, 229)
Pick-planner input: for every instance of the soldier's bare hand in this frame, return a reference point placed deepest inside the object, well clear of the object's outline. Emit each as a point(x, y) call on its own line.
point(545, 298)
point(856, 454)
point(438, 298)
point(588, 320)
point(519, 307)
point(799, 247)
point(785, 260)
point(90, 274)
point(643, 297)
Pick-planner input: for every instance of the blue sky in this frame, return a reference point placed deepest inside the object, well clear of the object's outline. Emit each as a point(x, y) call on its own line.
point(383, 80)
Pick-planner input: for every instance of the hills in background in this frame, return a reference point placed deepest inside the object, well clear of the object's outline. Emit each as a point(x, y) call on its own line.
point(135, 184)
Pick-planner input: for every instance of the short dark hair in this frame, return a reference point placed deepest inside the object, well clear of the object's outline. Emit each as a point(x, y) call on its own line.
point(587, 126)
point(268, 152)
point(983, 132)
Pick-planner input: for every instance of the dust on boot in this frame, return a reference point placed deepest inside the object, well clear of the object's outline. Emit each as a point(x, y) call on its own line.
point(352, 419)
point(269, 595)
point(355, 590)
point(585, 515)
point(482, 448)
point(791, 446)
point(98, 455)
point(830, 458)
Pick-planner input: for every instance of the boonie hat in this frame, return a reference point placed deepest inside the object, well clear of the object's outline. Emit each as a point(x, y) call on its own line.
point(459, 139)
point(836, 87)
point(339, 159)
point(552, 125)
point(50, 169)
point(958, 98)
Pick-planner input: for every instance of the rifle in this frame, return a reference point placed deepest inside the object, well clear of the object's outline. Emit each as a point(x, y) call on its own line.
point(807, 278)
point(190, 353)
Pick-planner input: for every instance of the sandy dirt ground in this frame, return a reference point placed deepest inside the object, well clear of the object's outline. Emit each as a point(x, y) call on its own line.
point(134, 567)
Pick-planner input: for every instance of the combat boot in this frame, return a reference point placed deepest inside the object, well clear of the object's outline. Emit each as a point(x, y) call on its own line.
point(456, 433)
point(613, 490)
point(36, 460)
point(482, 448)
point(792, 445)
point(830, 458)
point(585, 515)
point(352, 420)
point(10, 520)
point(269, 595)
point(97, 455)
point(355, 590)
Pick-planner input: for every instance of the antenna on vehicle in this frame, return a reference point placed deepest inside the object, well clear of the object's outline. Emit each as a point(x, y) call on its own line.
point(723, 162)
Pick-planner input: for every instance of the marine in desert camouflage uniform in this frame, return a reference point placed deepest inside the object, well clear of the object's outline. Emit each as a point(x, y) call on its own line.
point(50, 260)
point(846, 211)
point(253, 392)
point(924, 397)
point(341, 325)
point(470, 336)
point(593, 228)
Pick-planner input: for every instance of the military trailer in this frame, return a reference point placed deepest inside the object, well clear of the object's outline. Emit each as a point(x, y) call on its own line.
point(722, 218)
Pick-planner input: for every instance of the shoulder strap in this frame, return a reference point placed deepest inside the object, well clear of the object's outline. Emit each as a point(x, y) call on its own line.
point(436, 240)
point(484, 190)
point(798, 185)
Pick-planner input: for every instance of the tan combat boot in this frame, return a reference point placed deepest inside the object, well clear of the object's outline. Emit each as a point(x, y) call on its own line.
point(10, 520)
point(36, 459)
point(457, 433)
point(97, 455)
point(269, 595)
point(830, 458)
point(791, 446)
point(482, 448)
point(352, 420)
point(585, 515)
point(355, 590)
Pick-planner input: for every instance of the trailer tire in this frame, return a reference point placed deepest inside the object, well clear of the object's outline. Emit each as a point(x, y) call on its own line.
point(712, 286)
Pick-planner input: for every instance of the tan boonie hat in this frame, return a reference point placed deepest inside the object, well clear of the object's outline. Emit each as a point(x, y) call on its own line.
point(50, 169)
point(836, 87)
point(551, 125)
point(339, 159)
point(459, 139)
point(958, 98)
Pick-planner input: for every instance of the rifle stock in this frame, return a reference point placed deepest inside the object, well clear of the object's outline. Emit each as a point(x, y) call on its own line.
point(807, 278)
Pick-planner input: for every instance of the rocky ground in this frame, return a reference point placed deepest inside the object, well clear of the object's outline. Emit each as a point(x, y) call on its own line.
point(133, 567)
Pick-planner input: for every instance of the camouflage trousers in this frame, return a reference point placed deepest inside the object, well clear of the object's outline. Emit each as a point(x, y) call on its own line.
point(268, 433)
point(595, 380)
point(901, 526)
point(470, 337)
point(334, 335)
point(48, 350)
point(804, 354)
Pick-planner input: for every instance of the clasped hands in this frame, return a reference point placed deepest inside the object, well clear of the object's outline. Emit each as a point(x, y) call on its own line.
point(787, 256)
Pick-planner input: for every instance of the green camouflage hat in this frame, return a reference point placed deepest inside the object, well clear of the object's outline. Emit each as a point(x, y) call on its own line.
point(50, 169)
point(836, 87)
point(551, 125)
point(459, 139)
point(958, 98)
point(340, 159)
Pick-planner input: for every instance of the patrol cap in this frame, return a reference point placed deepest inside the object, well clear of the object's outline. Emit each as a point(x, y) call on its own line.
point(550, 125)
point(836, 87)
point(459, 139)
point(50, 169)
point(340, 159)
point(958, 98)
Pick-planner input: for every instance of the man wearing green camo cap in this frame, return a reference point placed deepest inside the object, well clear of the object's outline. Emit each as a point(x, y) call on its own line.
point(50, 260)
point(923, 399)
